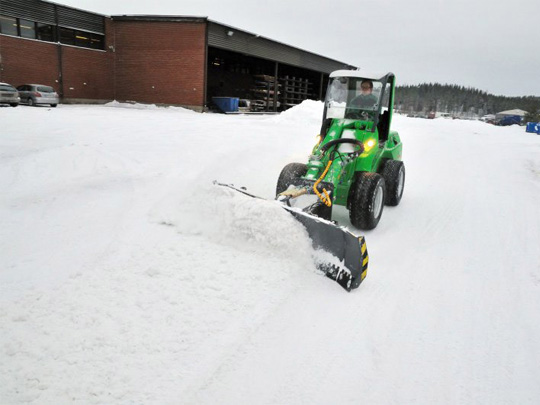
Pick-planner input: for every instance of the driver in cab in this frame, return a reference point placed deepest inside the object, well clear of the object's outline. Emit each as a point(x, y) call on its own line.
point(365, 100)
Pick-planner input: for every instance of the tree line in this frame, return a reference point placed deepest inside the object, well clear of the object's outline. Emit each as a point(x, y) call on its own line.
point(459, 101)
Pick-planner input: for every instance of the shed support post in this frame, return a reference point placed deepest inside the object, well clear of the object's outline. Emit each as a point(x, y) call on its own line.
point(321, 86)
point(276, 86)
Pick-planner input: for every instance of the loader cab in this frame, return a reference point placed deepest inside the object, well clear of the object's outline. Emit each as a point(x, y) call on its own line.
point(347, 99)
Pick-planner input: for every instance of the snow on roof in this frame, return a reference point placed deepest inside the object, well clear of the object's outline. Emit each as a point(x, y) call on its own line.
point(517, 111)
point(364, 74)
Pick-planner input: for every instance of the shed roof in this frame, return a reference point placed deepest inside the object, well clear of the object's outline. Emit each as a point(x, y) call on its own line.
point(517, 111)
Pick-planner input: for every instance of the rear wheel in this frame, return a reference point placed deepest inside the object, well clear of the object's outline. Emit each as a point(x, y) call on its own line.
point(367, 200)
point(14, 104)
point(290, 173)
point(31, 101)
point(394, 177)
point(53, 105)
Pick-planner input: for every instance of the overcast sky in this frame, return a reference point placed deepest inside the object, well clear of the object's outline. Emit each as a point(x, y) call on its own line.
point(493, 46)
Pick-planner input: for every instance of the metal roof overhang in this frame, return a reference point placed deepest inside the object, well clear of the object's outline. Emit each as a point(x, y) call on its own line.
point(159, 18)
point(233, 39)
point(55, 14)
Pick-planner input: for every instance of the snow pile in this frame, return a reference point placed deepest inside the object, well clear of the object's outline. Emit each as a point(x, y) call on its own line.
point(308, 111)
point(139, 106)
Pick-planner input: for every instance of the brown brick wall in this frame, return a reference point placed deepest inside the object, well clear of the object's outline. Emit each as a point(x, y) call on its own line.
point(32, 61)
point(152, 62)
point(89, 73)
point(27, 61)
point(160, 62)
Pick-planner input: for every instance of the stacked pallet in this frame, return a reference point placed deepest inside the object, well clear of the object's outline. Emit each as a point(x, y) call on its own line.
point(291, 91)
point(295, 90)
point(263, 93)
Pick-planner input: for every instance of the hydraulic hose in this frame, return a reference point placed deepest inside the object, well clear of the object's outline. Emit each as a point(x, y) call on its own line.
point(324, 198)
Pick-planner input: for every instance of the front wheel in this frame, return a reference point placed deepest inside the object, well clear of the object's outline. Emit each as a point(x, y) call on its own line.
point(367, 200)
point(53, 105)
point(287, 176)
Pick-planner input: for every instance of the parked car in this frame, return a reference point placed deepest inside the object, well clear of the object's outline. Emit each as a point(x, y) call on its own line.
point(33, 94)
point(9, 95)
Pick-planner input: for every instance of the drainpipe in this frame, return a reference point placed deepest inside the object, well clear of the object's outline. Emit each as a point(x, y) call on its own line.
point(59, 53)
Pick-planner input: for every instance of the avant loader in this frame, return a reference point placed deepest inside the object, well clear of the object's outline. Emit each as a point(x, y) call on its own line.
point(356, 163)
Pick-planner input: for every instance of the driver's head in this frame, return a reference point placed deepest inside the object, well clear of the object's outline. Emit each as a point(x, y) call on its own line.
point(367, 86)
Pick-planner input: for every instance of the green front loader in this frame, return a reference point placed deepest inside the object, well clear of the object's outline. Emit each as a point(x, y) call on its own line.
point(357, 160)
point(356, 163)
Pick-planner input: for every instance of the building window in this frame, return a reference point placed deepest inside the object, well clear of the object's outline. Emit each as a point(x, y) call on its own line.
point(28, 29)
point(67, 36)
point(8, 25)
point(97, 41)
point(82, 39)
point(45, 32)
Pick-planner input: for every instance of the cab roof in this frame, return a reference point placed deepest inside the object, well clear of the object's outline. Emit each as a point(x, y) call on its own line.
point(364, 74)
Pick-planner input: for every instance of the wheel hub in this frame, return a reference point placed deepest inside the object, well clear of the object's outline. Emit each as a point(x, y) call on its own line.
point(378, 201)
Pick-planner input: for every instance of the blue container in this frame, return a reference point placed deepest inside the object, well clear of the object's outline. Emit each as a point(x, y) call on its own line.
point(533, 127)
point(226, 104)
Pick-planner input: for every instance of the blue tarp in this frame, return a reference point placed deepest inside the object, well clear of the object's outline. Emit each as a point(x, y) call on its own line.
point(533, 127)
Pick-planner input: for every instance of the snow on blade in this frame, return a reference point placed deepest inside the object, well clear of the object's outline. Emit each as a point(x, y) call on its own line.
point(227, 216)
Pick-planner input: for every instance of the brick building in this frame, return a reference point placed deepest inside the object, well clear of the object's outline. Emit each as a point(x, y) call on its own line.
point(174, 60)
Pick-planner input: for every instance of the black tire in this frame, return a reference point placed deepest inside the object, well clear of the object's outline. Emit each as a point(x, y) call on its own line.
point(394, 176)
point(31, 101)
point(53, 105)
point(289, 173)
point(14, 104)
point(366, 201)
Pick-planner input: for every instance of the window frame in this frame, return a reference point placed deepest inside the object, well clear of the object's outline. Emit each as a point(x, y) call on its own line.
point(3, 16)
point(20, 25)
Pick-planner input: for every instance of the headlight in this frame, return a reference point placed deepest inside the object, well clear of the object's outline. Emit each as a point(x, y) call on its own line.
point(369, 144)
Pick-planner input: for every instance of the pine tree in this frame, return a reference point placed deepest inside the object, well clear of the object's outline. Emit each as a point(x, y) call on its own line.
point(457, 100)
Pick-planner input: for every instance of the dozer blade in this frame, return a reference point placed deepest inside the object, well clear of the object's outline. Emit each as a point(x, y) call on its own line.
point(341, 255)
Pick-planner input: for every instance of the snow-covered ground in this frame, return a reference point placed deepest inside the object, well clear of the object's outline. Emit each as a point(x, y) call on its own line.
point(126, 277)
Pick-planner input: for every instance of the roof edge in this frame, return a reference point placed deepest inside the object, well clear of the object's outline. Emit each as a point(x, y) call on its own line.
point(158, 18)
point(281, 43)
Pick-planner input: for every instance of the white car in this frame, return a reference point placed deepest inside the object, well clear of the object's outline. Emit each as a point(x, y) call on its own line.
point(9, 95)
point(34, 94)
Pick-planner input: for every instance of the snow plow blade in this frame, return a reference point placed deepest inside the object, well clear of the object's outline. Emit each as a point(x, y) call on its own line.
point(340, 254)
point(348, 266)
